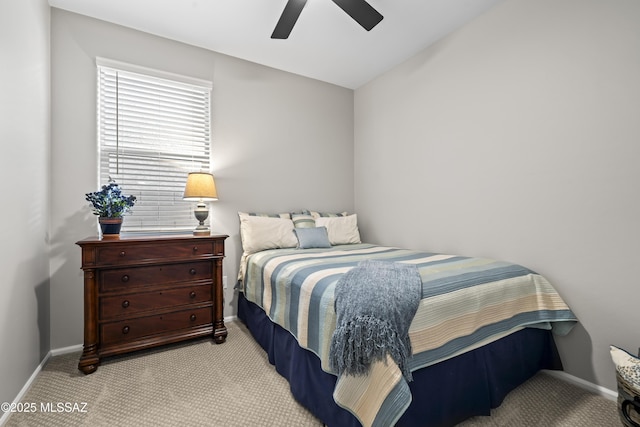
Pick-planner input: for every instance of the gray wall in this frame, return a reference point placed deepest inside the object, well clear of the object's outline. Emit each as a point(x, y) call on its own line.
point(24, 173)
point(518, 138)
point(280, 142)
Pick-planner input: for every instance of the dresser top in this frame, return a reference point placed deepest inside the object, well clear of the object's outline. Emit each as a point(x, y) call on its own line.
point(144, 237)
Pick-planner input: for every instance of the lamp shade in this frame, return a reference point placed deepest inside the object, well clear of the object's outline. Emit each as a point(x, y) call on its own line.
point(200, 186)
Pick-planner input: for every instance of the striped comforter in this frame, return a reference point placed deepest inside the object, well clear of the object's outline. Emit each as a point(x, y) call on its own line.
point(466, 303)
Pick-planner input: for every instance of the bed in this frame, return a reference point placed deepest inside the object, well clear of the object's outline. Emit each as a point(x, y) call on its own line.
point(482, 326)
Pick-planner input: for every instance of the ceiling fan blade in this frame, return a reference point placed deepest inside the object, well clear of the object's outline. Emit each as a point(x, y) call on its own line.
point(288, 19)
point(361, 11)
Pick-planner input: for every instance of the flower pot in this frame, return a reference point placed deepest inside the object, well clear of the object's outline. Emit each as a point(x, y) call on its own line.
point(110, 227)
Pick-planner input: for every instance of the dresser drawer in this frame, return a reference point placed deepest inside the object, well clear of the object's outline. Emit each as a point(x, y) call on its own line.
point(120, 255)
point(124, 278)
point(131, 304)
point(134, 329)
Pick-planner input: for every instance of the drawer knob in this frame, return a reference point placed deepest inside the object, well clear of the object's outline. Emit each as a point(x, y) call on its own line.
point(125, 304)
point(125, 278)
point(192, 271)
point(192, 294)
point(122, 254)
point(195, 249)
point(192, 317)
point(125, 330)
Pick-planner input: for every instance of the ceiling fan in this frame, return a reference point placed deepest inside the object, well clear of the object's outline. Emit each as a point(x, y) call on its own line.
point(361, 11)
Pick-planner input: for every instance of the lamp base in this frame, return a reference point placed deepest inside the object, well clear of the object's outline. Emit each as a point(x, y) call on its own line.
point(202, 232)
point(201, 212)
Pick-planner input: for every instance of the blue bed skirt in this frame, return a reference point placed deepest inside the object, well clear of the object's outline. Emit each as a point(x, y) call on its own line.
point(444, 394)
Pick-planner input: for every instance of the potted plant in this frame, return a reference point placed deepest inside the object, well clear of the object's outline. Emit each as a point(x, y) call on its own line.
point(109, 204)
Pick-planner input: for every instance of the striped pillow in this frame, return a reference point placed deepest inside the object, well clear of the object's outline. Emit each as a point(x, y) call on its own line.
point(303, 220)
point(270, 215)
point(316, 215)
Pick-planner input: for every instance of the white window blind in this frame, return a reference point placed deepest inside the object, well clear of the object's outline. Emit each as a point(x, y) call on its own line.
point(152, 132)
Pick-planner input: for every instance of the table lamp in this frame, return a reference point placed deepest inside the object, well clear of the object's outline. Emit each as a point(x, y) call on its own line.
point(201, 187)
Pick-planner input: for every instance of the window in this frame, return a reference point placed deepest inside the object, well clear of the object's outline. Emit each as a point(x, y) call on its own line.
point(153, 129)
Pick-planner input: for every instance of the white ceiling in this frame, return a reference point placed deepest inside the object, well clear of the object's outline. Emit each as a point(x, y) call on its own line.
point(325, 44)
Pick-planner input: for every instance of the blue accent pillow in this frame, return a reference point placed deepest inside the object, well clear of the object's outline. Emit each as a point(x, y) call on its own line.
point(315, 237)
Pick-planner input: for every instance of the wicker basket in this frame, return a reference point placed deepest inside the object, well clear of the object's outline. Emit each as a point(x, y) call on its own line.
point(628, 403)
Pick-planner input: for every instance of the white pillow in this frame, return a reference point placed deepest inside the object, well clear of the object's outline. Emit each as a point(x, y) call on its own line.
point(342, 230)
point(259, 233)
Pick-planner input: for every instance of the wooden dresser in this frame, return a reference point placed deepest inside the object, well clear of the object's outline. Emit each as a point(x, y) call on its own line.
point(141, 292)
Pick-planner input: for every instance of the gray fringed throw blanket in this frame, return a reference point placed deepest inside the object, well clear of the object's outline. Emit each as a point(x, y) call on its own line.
point(375, 303)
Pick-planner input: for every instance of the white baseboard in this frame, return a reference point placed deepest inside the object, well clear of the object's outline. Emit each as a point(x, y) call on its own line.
point(32, 378)
point(25, 388)
point(594, 388)
point(66, 350)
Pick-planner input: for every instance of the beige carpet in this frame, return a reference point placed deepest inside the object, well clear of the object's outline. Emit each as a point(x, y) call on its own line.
point(203, 384)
